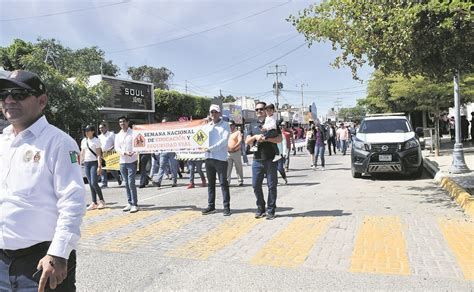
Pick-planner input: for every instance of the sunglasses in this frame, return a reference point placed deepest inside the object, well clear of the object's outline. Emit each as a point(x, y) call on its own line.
point(16, 94)
point(259, 109)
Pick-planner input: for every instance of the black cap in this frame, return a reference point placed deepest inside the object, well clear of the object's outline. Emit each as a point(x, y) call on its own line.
point(89, 128)
point(23, 79)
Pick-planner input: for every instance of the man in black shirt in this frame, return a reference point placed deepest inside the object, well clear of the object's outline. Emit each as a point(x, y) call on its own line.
point(263, 164)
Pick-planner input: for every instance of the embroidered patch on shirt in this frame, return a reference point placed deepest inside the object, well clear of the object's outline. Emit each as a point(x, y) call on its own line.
point(37, 157)
point(28, 156)
point(74, 156)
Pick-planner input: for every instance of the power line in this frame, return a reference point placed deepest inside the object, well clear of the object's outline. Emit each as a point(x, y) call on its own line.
point(259, 67)
point(246, 59)
point(200, 32)
point(64, 12)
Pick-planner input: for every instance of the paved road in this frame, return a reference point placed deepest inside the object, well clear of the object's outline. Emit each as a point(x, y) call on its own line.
point(331, 232)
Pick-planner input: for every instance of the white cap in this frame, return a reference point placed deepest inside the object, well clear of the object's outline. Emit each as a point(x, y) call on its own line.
point(215, 107)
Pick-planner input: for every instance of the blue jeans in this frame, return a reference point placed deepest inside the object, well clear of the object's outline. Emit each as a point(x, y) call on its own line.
point(16, 273)
point(218, 167)
point(319, 151)
point(90, 168)
point(281, 167)
point(243, 148)
point(195, 166)
point(144, 159)
point(128, 171)
point(343, 146)
point(259, 169)
point(105, 180)
point(167, 159)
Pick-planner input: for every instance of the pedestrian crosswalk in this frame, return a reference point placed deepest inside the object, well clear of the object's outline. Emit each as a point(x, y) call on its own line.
point(367, 244)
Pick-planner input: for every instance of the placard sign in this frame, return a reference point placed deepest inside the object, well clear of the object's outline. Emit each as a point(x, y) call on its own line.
point(180, 137)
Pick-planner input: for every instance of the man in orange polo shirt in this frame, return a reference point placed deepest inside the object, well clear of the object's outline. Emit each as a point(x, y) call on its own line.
point(235, 156)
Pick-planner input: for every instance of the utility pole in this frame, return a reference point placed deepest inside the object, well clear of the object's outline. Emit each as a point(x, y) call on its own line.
point(277, 84)
point(337, 105)
point(186, 86)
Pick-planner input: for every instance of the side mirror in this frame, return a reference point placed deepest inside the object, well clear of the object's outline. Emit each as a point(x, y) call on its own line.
point(419, 132)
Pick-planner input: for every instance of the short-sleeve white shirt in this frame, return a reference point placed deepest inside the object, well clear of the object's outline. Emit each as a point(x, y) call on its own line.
point(94, 144)
point(42, 193)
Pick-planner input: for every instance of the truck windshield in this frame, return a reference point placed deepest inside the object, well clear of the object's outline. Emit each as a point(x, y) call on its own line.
point(384, 126)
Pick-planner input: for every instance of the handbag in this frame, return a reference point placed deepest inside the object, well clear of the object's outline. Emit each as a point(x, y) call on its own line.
point(102, 160)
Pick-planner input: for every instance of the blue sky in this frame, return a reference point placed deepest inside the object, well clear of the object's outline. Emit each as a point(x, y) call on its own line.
point(209, 45)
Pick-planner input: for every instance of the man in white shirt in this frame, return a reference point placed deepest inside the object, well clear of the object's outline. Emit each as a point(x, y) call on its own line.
point(128, 163)
point(42, 193)
point(107, 141)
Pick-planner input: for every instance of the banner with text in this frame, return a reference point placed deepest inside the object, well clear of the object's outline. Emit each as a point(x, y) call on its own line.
point(184, 138)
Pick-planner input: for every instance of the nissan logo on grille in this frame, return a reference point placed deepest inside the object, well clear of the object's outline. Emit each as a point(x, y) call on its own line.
point(384, 148)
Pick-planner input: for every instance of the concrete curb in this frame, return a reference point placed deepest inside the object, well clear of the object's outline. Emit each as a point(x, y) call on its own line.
point(456, 192)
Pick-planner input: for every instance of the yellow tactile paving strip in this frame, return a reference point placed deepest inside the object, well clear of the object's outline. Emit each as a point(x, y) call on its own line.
point(152, 232)
point(460, 238)
point(114, 223)
point(96, 213)
point(224, 234)
point(291, 246)
point(380, 247)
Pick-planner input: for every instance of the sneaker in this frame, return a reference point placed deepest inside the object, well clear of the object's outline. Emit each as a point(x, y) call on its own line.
point(208, 210)
point(260, 214)
point(92, 206)
point(227, 212)
point(322, 168)
point(190, 186)
point(241, 184)
point(174, 185)
point(127, 208)
point(101, 204)
point(312, 166)
point(134, 209)
point(270, 216)
point(286, 180)
point(158, 185)
point(103, 186)
point(119, 182)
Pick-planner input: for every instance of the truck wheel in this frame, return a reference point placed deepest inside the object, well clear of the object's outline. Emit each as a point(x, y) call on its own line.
point(419, 171)
point(355, 174)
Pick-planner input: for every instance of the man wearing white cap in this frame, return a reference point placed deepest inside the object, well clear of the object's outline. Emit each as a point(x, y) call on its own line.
point(216, 160)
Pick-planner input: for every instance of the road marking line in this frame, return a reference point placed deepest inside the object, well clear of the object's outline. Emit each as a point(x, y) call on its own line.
point(151, 232)
point(96, 213)
point(224, 234)
point(460, 238)
point(291, 246)
point(114, 223)
point(380, 247)
point(157, 196)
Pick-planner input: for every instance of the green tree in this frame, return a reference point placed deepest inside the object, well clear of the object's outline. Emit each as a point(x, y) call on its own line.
point(71, 105)
point(175, 104)
point(356, 113)
point(160, 77)
point(431, 38)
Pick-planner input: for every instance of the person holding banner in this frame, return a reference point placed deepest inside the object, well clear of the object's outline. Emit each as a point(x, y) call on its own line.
point(107, 140)
point(235, 140)
point(216, 160)
point(128, 163)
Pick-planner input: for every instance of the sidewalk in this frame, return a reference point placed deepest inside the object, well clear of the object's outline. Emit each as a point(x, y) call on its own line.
point(459, 186)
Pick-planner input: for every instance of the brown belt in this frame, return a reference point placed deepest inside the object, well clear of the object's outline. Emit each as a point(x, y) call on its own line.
point(18, 253)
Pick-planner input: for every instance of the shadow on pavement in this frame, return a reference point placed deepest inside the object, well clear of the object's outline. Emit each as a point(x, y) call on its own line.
point(320, 213)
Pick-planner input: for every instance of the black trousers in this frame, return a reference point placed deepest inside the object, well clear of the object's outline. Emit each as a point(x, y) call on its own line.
point(22, 264)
